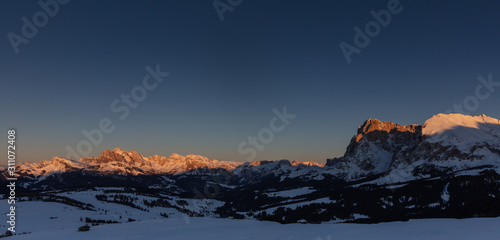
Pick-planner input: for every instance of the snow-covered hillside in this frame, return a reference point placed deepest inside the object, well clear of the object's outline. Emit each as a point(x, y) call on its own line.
point(462, 130)
point(47, 221)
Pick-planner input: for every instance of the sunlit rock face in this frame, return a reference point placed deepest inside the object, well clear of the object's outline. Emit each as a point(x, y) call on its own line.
point(444, 143)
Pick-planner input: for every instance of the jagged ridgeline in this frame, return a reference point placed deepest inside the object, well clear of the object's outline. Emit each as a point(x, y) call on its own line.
point(447, 167)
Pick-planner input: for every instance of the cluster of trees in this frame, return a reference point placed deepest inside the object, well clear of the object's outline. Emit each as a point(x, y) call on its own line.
point(121, 199)
point(97, 221)
point(59, 199)
point(160, 202)
point(84, 228)
point(163, 202)
point(6, 234)
point(165, 215)
point(445, 197)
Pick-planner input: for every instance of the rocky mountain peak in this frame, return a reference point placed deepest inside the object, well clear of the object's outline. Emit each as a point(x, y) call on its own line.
point(110, 156)
point(374, 129)
point(176, 156)
point(306, 163)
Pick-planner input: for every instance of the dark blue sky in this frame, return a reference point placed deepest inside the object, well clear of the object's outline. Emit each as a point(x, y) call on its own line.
point(227, 76)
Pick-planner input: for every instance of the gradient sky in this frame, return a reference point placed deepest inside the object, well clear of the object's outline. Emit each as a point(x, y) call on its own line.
point(226, 77)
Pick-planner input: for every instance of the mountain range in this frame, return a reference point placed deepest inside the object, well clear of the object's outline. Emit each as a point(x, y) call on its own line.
point(447, 167)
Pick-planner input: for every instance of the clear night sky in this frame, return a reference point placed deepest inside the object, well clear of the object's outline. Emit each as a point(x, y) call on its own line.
point(227, 76)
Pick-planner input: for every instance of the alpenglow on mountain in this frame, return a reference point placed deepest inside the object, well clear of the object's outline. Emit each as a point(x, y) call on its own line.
point(447, 167)
point(451, 141)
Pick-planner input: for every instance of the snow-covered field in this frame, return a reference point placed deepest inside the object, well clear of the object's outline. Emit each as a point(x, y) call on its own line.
point(207, 228)
point(46, 220)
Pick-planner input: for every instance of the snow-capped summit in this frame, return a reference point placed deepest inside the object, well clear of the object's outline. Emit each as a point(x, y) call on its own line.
point(461, 130)
point(306, 163)
point(176, 156)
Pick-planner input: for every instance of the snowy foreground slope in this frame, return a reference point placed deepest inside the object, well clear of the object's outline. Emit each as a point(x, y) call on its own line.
point(48, 220)
point(205, 228)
